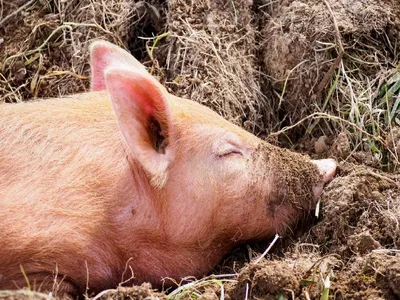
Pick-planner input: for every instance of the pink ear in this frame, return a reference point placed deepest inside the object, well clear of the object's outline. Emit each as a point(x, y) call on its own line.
point(103, 55)
point(144, 115)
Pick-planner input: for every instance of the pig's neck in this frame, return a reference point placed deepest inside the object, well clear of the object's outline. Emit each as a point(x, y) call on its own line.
point(154, 243)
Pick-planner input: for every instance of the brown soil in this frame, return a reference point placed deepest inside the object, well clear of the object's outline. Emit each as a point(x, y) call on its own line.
point(298, 48)
point(263, 65)
point(143, 292)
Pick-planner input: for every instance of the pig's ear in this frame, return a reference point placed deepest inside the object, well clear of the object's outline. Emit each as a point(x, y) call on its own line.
point(144, 115)
point(105, 55)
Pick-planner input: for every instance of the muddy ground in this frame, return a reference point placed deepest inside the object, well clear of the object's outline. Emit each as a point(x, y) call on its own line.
point(317, 76)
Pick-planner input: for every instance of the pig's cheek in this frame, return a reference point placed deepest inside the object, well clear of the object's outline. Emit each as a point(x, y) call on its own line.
point(233, 166)
point(235, 177)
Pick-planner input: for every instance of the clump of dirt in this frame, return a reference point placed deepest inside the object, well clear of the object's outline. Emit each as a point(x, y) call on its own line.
point(341, 146)
point(368, 277)
point(267, 280)
point(142, 292)
point(361, 206)
point(360, 220)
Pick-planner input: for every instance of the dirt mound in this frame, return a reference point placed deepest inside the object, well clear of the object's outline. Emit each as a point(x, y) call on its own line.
point(267, 280)
point(212, 60)
point(361, 213)
point(306, 41)
point(338, 61)
point(370, 277)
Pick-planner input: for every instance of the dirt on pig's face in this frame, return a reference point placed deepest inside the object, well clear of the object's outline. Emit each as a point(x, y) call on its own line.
point(225, 182)
point(292, 182)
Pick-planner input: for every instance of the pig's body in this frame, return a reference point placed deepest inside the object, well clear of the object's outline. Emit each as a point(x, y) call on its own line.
point(83, 201)
point(69, 197)
point(60, 188)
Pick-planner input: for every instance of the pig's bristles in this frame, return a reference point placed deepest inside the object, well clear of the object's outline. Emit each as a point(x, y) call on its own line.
point(267, 250)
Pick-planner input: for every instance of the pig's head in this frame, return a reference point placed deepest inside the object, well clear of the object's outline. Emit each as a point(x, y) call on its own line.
point(211, 177)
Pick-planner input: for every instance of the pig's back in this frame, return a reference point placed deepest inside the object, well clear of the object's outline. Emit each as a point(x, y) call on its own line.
point(58, 142)
point(62, 163)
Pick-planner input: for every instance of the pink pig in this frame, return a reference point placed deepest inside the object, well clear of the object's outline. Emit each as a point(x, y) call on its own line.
point(130, 181)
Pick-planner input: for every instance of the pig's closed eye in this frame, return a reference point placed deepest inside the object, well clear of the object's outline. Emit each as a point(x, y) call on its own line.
point(230, 152)
point(227, 150)
point(227, 146)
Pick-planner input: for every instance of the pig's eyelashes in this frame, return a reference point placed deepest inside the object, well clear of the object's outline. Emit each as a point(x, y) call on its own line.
point(230, 152)
point(227, 150)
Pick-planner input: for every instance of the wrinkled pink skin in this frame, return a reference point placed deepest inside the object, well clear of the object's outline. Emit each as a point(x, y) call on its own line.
point(91, 193)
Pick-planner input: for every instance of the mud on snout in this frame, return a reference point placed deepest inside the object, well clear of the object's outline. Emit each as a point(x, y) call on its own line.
point(293, 183)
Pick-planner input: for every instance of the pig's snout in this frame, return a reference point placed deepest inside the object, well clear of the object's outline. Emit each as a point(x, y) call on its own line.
point(327, 168)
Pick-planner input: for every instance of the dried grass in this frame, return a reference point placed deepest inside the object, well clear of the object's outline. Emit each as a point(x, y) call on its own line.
point(47, 56)
point(212, 60)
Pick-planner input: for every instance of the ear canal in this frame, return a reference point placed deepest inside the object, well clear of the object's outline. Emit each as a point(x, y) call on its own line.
point(144, 116)
point(104, 55)
point(157, 135)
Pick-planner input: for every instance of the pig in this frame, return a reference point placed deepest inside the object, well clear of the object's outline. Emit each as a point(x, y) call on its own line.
point(128, 183)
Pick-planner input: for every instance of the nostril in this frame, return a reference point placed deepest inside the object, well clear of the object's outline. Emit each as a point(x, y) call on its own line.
point(327, 168)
